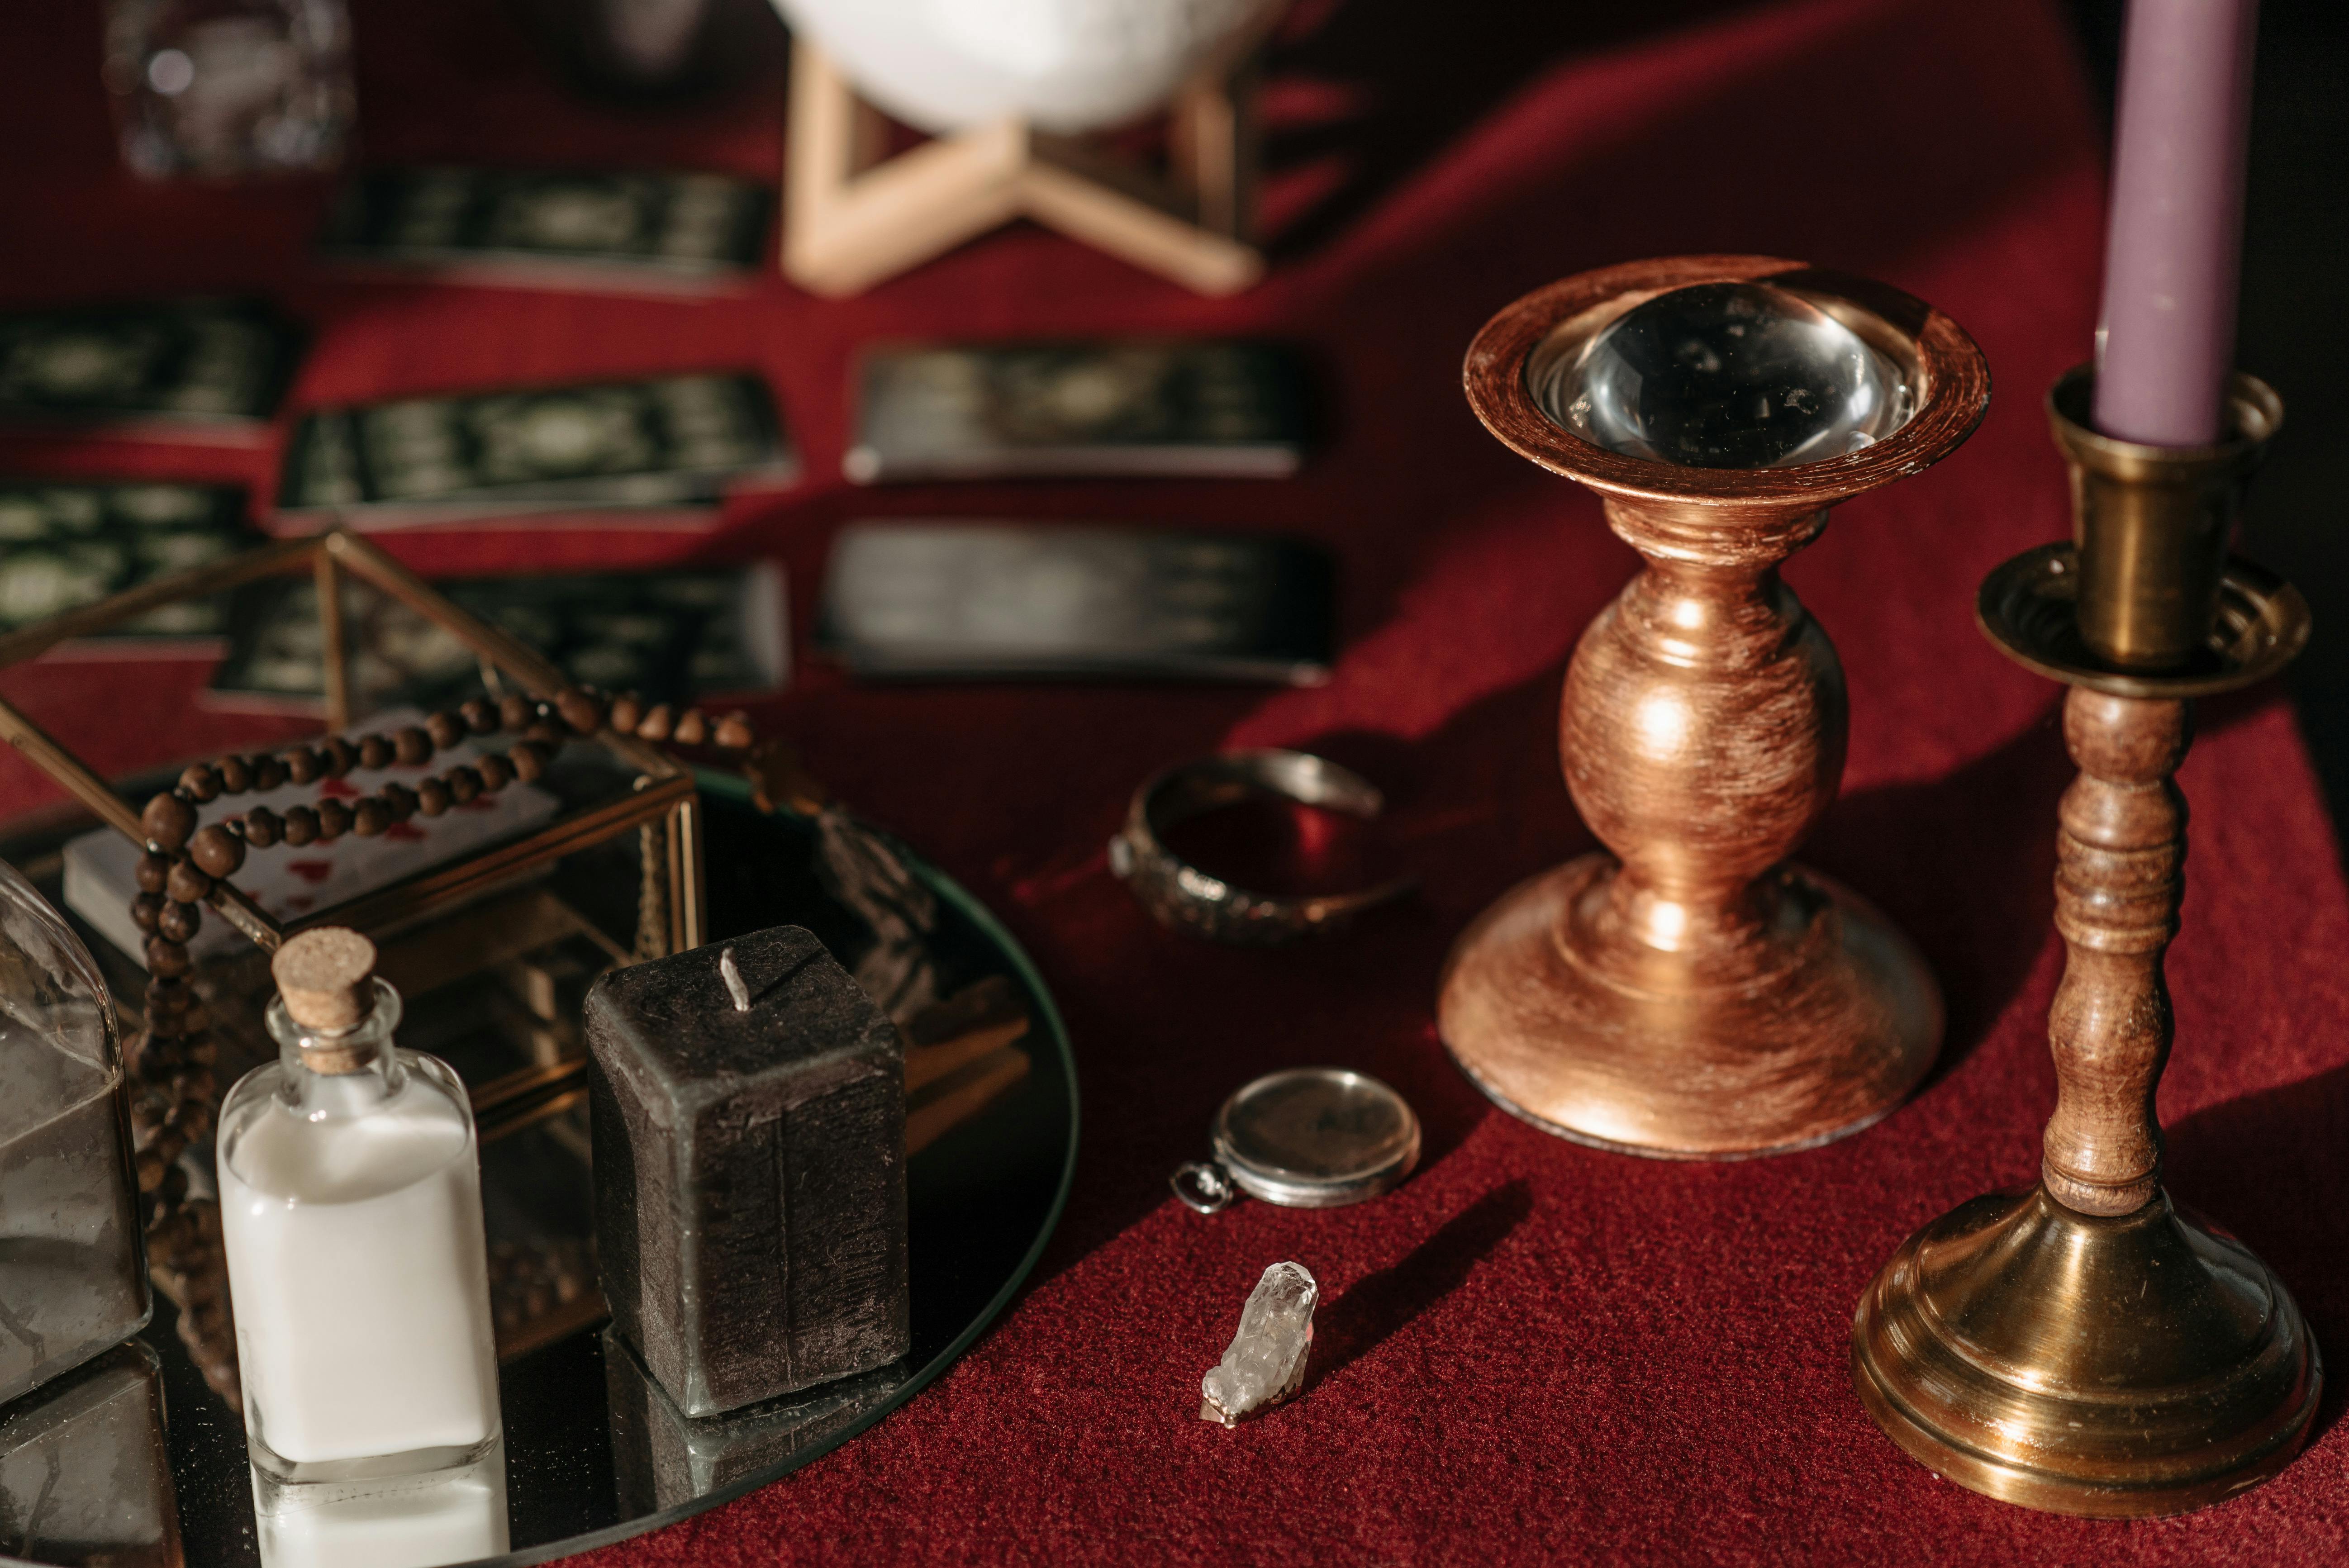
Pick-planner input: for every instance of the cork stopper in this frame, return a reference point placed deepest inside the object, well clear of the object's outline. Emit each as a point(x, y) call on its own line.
point(325, 976)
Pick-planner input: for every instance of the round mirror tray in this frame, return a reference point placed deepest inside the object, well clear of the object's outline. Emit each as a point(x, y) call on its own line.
point(595, 1450)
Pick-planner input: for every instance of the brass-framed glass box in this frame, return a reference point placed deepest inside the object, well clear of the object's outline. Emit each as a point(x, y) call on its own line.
point(491, 922)
point(661, 791)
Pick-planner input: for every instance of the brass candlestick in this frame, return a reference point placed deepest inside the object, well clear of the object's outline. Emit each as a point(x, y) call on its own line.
point(2083, 1346)
point(1693, 994)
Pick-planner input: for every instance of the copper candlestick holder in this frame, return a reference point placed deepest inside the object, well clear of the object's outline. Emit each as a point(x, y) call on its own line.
point(1693, 994)
point(2083, 1346)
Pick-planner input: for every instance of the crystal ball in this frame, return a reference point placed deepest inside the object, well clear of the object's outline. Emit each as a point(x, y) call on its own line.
point(1726, 375)
point(1065, 66)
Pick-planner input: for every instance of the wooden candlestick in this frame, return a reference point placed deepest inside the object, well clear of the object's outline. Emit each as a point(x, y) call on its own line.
point(2120, 872)
point(1693, 994)
point(2082, 1346)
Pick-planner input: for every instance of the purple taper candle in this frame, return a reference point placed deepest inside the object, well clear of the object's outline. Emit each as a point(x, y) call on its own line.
point(2175, 249)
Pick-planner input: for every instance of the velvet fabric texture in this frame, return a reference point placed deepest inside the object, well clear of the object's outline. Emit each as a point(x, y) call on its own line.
point(1532, 1351)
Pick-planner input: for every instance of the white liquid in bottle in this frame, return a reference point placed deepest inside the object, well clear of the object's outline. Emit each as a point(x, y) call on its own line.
point(351, 1211)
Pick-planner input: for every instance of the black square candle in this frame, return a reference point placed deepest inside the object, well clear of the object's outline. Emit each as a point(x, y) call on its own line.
point(749, 1133)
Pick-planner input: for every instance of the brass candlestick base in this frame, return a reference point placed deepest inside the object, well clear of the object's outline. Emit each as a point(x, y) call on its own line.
point(2118, 1368)
point(1692, 994)
point(2084, 1348)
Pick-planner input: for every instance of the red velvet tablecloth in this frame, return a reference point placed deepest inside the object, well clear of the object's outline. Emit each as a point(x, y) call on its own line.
point(1532, 1351)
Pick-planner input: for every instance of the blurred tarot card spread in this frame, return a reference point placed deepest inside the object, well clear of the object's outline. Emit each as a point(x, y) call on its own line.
point(200, 370)
point(670, 636)
point(677, 442)
point(67, 543)
point(632, 231)
point(985, 601)
point(290, 884)
point(224, 88)
point(1202, 409)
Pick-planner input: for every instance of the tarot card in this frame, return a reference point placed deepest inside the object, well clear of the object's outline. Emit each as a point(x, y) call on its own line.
point(633, 230)
point(675, 441)
point(67, 543)
point(189, 369)
point(671, 637)
point(978, 600)
point(1202, 409)
point(292, 883)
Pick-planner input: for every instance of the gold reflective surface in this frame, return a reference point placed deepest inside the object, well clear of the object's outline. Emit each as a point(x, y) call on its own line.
point(2118, 1367)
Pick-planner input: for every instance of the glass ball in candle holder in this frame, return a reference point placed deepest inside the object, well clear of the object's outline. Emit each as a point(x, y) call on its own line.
point(73, 1273)
point(1726, 375)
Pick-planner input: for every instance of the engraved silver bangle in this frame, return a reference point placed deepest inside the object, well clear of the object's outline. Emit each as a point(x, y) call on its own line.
point(1180, 894)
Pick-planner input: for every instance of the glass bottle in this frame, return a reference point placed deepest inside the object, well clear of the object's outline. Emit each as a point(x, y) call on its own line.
point(73, 1273)
point(351, 1209)
point(229, 89)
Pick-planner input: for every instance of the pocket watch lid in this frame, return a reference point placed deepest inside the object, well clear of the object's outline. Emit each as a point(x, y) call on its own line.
point(1315, 1137)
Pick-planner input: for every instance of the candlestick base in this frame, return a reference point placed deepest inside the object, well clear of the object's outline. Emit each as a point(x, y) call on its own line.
point(2118, 1369)
point(1815, 1029)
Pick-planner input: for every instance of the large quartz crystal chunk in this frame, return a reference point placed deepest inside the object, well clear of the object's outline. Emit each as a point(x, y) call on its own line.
point(1726, 375)
point(1265, 1362)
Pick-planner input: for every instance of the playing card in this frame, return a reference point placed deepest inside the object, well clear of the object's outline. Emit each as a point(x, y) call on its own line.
point(973, 600)
point(66, 543)
point(671, 637)
point(631, 230)
point(672, 441)
point(292, 883)
point(194, 370)
point(1202, 409)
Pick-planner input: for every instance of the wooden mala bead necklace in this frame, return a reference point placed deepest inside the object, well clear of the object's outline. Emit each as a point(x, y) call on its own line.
point(174, 1097)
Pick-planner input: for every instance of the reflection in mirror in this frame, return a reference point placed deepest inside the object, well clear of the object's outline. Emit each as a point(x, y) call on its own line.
point(71, 1279)
point(84, 1475)
point(663, 1456)
point(981, 1195)
point(454, 1516)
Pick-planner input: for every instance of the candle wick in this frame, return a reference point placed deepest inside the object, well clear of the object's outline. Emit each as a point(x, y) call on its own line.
point(733, 978)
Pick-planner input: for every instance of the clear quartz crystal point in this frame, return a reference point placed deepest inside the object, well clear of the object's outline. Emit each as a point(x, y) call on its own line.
point(1265, 1362)
point(1726, 375)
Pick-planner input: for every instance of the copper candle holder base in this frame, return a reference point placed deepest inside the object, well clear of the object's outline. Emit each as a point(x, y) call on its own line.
point(1691, 995)
point(2083, 1346)
point(1675, 1062)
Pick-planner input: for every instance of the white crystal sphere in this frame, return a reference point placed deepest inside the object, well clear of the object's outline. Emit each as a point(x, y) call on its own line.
point(1066, 66)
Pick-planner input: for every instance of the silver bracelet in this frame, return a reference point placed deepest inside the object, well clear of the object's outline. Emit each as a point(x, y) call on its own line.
point(1181, 894)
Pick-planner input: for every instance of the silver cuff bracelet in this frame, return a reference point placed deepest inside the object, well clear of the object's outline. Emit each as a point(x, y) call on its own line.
point(1180, 894)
